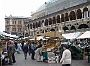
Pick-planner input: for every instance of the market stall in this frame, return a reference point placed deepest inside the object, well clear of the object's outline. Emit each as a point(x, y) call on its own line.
point(50, 48)
point(86, 37)
point(72, 35)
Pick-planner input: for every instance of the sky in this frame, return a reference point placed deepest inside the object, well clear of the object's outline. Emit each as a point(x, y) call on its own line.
point(17, 8)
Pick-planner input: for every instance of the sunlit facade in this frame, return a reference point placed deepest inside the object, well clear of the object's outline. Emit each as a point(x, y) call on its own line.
point(61, 15)
point(15, 24)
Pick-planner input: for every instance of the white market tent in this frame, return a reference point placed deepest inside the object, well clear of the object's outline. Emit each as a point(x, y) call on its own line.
point(3, 33)
point(71, 35)
point(8, 35)
point(39, 37)
point(84, 35)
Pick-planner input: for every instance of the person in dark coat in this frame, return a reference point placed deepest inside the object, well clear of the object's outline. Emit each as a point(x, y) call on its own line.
point(25, 50)
point(13, 52)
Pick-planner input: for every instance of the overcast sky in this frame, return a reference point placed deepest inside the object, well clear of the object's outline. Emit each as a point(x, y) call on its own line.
point(17, 8)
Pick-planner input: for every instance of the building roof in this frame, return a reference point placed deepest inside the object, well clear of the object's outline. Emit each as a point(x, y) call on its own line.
point(16, 17)
point(42, 7)
point(62, 3)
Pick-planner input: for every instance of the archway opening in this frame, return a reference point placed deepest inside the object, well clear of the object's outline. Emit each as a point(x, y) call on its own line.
point(30, 26)
point(73, 28)
point(72, 15)
point(39, 24)
point(50, 21)
point(33, 25)
point(62, 17)
point(83, 26)
point(66, 17)
point(65, 28)
point(58, 19)
point(85, 12)
point(54, 20)
point(79, 14)
point(36, 25)
point(46, 22)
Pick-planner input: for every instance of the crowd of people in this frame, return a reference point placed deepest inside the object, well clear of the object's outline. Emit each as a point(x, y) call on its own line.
point(35, 49)
point(11, 47)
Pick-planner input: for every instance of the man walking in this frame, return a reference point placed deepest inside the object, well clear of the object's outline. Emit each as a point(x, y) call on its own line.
point(25, 50)
point(66, 56)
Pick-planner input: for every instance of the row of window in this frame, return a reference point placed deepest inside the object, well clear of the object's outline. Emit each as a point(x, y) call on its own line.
point(14, 29)
point(61, 18)
point(13, 22)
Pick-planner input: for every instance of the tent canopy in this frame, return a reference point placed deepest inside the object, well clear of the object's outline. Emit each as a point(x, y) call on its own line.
point(84, 35)
point(71, 35)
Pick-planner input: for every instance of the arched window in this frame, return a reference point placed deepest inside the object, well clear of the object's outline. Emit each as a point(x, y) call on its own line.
point(50, 21)
point(73, 28)
point(79, 14)
point(54, 20)
point(58, 18)
point(42, 24)
point(66, 17)
point(33, 25)
point(72, 15)
point(30, 26)
point(46, 22)
point(36, 25)
point(62, 17)
point(39, 24)
point(85, 12)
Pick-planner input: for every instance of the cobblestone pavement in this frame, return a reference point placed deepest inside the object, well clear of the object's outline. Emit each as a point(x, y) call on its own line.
point(20, 61)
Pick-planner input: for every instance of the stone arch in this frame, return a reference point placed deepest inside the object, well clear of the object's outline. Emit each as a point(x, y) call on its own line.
point(66, 17)
point(83, 26)
point(58, 18)
point(33, 25)
point(30, 26)
point(65, 28)
point(46, 22)
point(50, 21)
point(36, 25)
point(42, 23)
point(85, 12)
point(79, 14)
point(72, 15)
point(73, 28)
point(62, 17)
point(54, 20)
point(39, 24)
